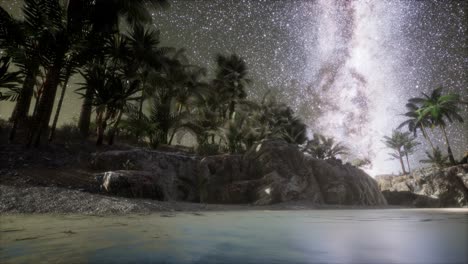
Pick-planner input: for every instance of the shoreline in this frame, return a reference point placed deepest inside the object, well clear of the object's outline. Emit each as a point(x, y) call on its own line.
point(57, 200)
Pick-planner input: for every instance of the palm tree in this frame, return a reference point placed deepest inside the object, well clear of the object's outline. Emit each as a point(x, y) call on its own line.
point(397, 142)
point(275, 120)
point(321, 147)
point(143, 46)
point(234, 133)
point(25, 41)
point(409, 147)
point(231, 81)
point(8, 81)
point(416, 121)
point(438, 107)
point(191, 92)
point(104, 17)
point(110, 93)
point(437, 159)
point(75, 59)
point(57, 46)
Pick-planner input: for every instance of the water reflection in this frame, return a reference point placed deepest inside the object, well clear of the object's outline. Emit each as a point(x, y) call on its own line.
point(336, 236)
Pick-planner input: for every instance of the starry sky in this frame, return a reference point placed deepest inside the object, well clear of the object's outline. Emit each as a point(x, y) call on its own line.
point(347, 67)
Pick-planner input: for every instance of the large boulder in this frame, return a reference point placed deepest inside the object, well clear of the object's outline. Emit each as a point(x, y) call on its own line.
point(270, 172)
point(274, 171)
point(449, 187)
point(345, 184)
point(409, 199)
point(176, 172)
point(140, 184)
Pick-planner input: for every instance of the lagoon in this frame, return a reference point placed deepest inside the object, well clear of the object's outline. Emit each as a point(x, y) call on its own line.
point(308, 236)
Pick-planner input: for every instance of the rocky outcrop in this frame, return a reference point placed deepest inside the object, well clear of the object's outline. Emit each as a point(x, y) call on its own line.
point(270, 172)
point(175, 174)
point(431, 187)
point(141, 184)
point(345, 184)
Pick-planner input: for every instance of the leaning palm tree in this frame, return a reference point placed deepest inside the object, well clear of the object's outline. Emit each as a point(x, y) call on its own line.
point(440, 107)
point(396, 143)
point(416, 121)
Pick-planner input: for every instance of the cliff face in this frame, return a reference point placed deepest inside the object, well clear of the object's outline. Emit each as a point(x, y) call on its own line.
point(270, 172)
point(428, 187)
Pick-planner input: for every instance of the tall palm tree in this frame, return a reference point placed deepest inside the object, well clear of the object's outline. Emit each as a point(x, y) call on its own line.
point(397, 142)
point(439, 108)
point(25, 41)
point(57, 46)
point(143, 46)
point(77, 56)
point(231, 80)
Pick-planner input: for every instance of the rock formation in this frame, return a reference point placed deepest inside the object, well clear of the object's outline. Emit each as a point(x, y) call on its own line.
point(430, 187)
point(175, 174)
point(270, 172)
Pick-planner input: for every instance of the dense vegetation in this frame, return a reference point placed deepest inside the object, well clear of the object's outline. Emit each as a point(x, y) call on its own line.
point(134, 88)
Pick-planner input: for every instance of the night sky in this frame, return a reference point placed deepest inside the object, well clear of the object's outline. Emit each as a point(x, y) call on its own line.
point(347, 67)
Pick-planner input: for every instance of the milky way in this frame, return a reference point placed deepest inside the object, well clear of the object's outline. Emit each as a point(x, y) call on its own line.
point(347, 67)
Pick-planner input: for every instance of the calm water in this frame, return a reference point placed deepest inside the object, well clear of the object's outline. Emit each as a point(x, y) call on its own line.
point(321, 236)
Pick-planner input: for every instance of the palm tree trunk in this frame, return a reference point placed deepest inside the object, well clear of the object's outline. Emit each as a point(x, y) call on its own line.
point(85, 114)
point(21, 109)
point(401, 162)
point(142, 99)
point(172, 136)
point(59, 106)
point(426, 136)
point(113, 130)
point(449, 149)
point(179, 110)
point(407, 162)
point(44, 110)
point(100, 125)
point(232, 108)
point(140, 107)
